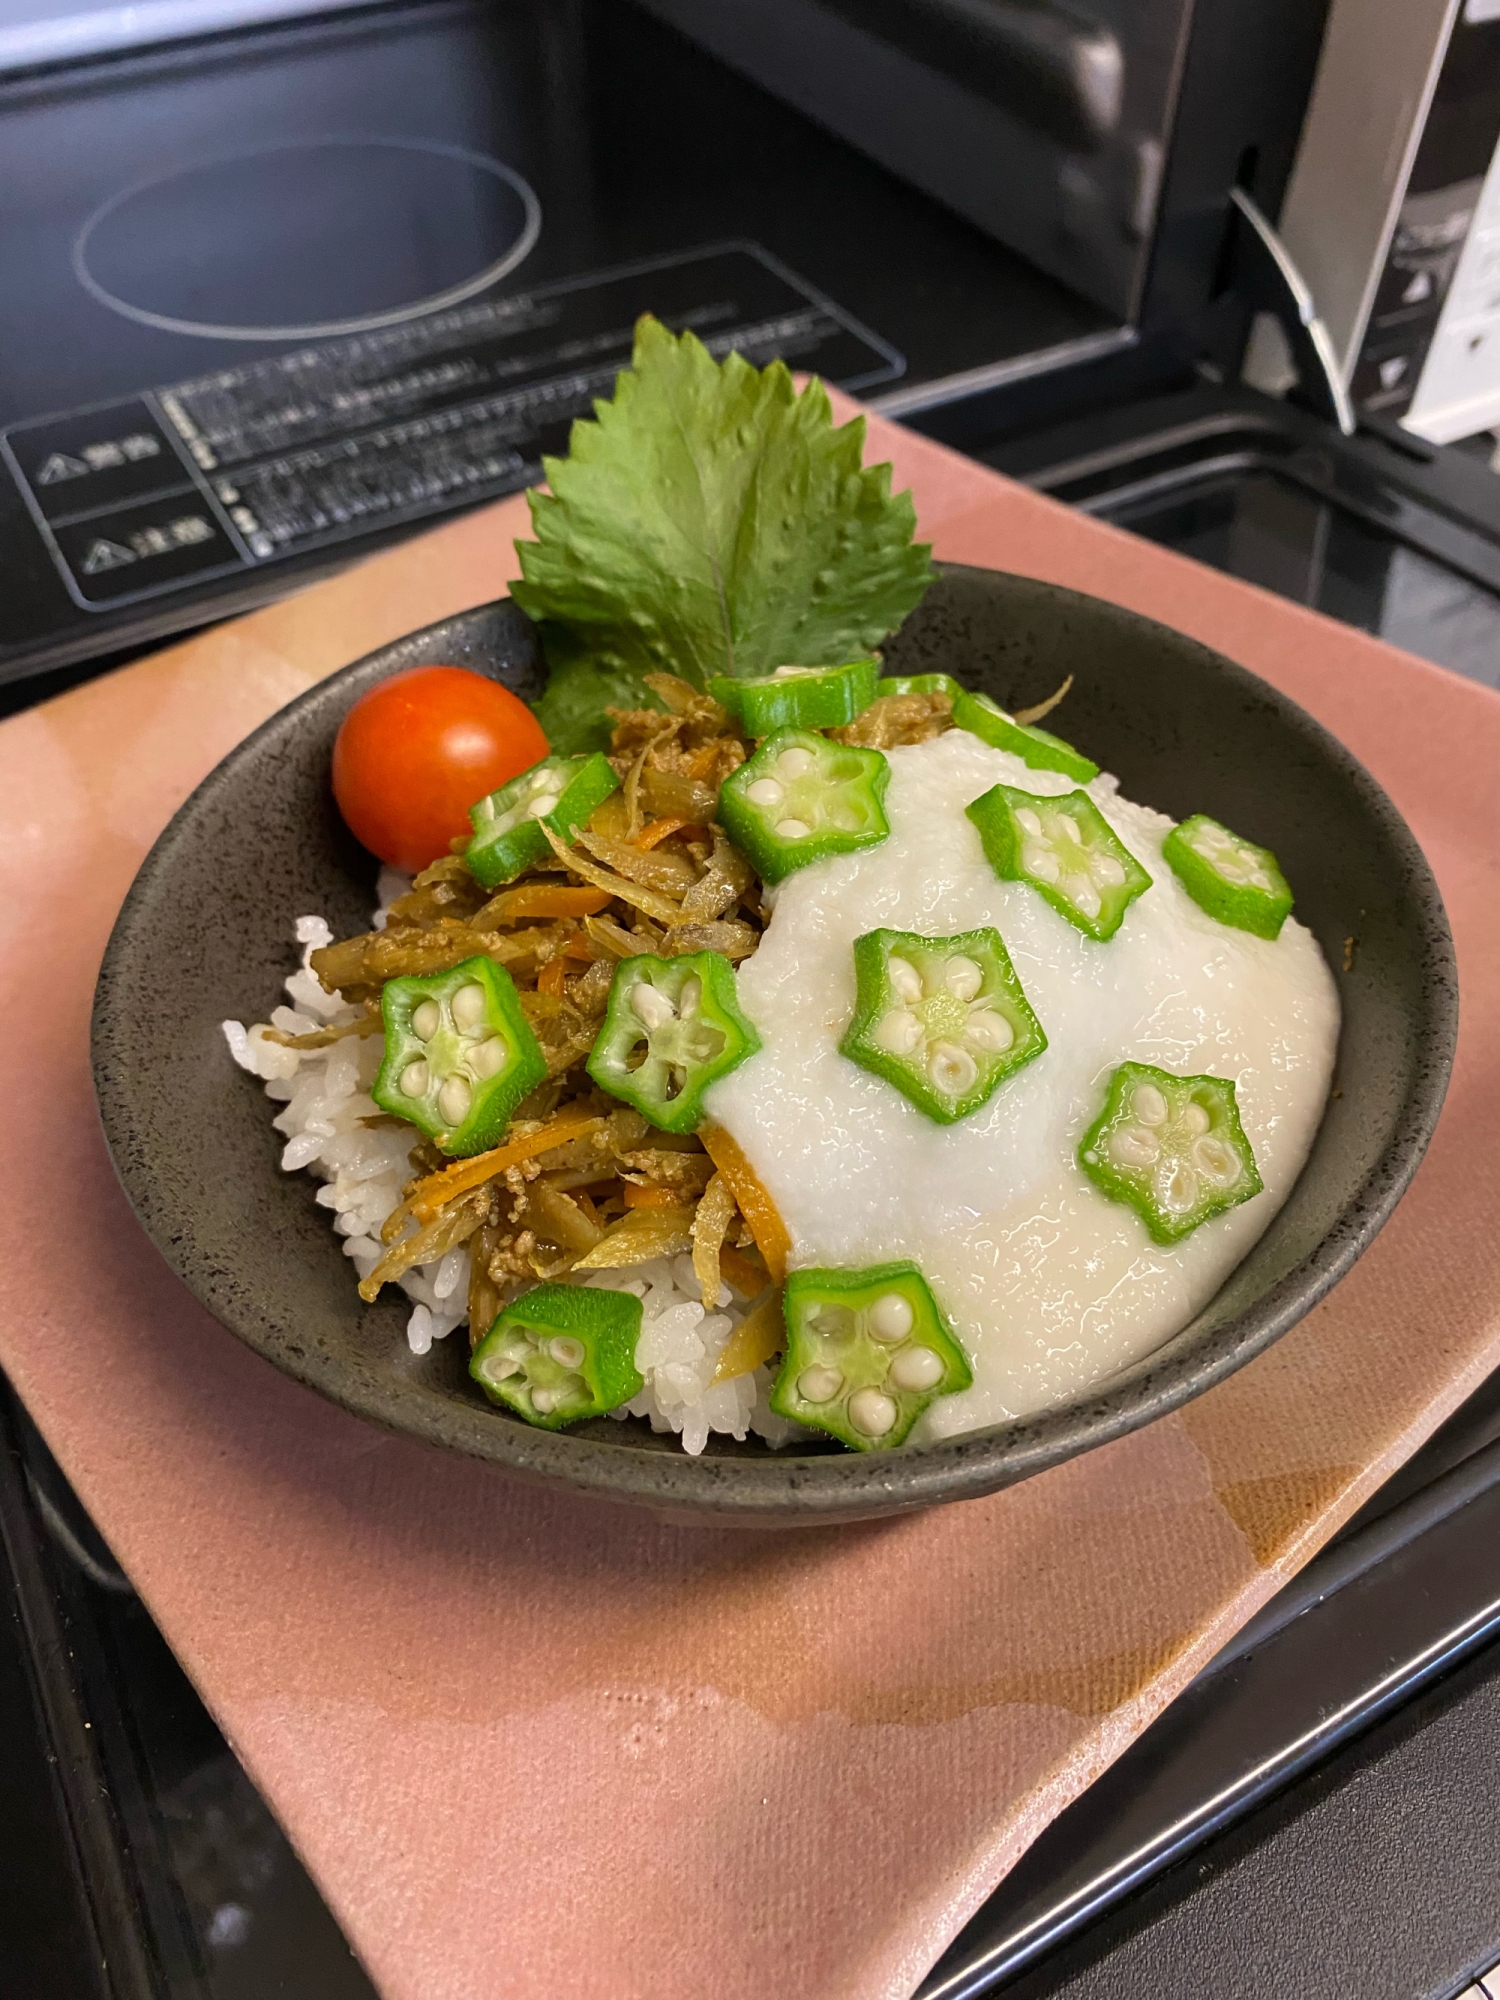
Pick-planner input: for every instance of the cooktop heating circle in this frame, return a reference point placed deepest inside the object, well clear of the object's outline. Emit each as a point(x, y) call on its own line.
point(337, 235)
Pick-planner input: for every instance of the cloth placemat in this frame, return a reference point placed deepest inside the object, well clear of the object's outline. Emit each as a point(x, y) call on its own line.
point(549, 1750)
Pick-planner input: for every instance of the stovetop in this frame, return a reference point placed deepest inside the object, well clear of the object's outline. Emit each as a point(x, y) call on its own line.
point(296, 180)
point(271, 300)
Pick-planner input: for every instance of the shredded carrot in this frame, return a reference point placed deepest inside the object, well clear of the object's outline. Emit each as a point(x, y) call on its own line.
point(702, 761)
point(431, 1194)
point(648, 1197)
point(552, 978)
point(577, 948)
point(539, 899)
point(755, 1204)
point(659, 829)
point(747, 1278)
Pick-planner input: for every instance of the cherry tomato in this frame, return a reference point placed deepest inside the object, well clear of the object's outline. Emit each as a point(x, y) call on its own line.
point(416, 752)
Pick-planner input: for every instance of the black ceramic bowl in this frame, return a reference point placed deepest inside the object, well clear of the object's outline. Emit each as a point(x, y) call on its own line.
point(204, 936)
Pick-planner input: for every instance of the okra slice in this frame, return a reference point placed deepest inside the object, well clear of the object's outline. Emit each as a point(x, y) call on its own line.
point(920, 684)
point(798, 697)
point(1229, 877)
point(561, 1353)
point(672, 1027)
point(459, 1056)
point(943, 1019)
point(1066, 849)
point(866, 1353)
point(801, 798)
point(1037, 747)
point(1172, 1147)
point(560, 792)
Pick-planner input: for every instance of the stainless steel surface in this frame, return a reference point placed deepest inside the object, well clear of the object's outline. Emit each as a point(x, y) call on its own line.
point(1375, 81)
point(918, 396)
point(1304, 310)
point(1392, 212)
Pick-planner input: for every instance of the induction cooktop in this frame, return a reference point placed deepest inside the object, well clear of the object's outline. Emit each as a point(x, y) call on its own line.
point(269, 299)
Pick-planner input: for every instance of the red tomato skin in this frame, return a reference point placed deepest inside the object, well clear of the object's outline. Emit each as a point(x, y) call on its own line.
point(415, 753)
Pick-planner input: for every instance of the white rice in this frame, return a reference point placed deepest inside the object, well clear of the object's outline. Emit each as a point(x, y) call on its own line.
point(678, 1351)
point(325, 1093)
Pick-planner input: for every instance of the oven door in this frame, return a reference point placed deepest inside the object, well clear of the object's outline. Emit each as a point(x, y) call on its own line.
point(1047, 124)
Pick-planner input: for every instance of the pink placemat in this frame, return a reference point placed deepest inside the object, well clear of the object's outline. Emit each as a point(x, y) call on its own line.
point(540, 1750)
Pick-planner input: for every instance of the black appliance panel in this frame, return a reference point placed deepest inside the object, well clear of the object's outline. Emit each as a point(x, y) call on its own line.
point(200, 215)
point(285, 457)
point(1045, 124)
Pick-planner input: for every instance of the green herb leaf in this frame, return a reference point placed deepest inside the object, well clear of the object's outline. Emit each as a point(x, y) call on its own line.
point(579, 691)
point(709, 521)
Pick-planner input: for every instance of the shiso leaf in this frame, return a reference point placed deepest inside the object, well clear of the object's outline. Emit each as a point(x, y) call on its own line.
point(708, 520)
point(581, 689)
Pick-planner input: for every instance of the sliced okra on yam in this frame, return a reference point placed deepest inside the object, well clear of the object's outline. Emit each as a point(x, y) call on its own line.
point(944, 1019)
point(1229, 877)
point(1038, 748)
point(1066, 850)
point(866, 1353)
point(1172, 1147)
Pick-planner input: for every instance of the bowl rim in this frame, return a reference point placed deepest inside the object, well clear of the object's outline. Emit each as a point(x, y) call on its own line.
point(785, 1489)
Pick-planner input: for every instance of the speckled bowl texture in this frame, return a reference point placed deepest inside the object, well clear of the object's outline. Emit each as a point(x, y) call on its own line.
point(204, 936)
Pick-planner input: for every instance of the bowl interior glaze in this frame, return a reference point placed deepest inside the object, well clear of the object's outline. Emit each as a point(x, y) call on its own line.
point(259, 843)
